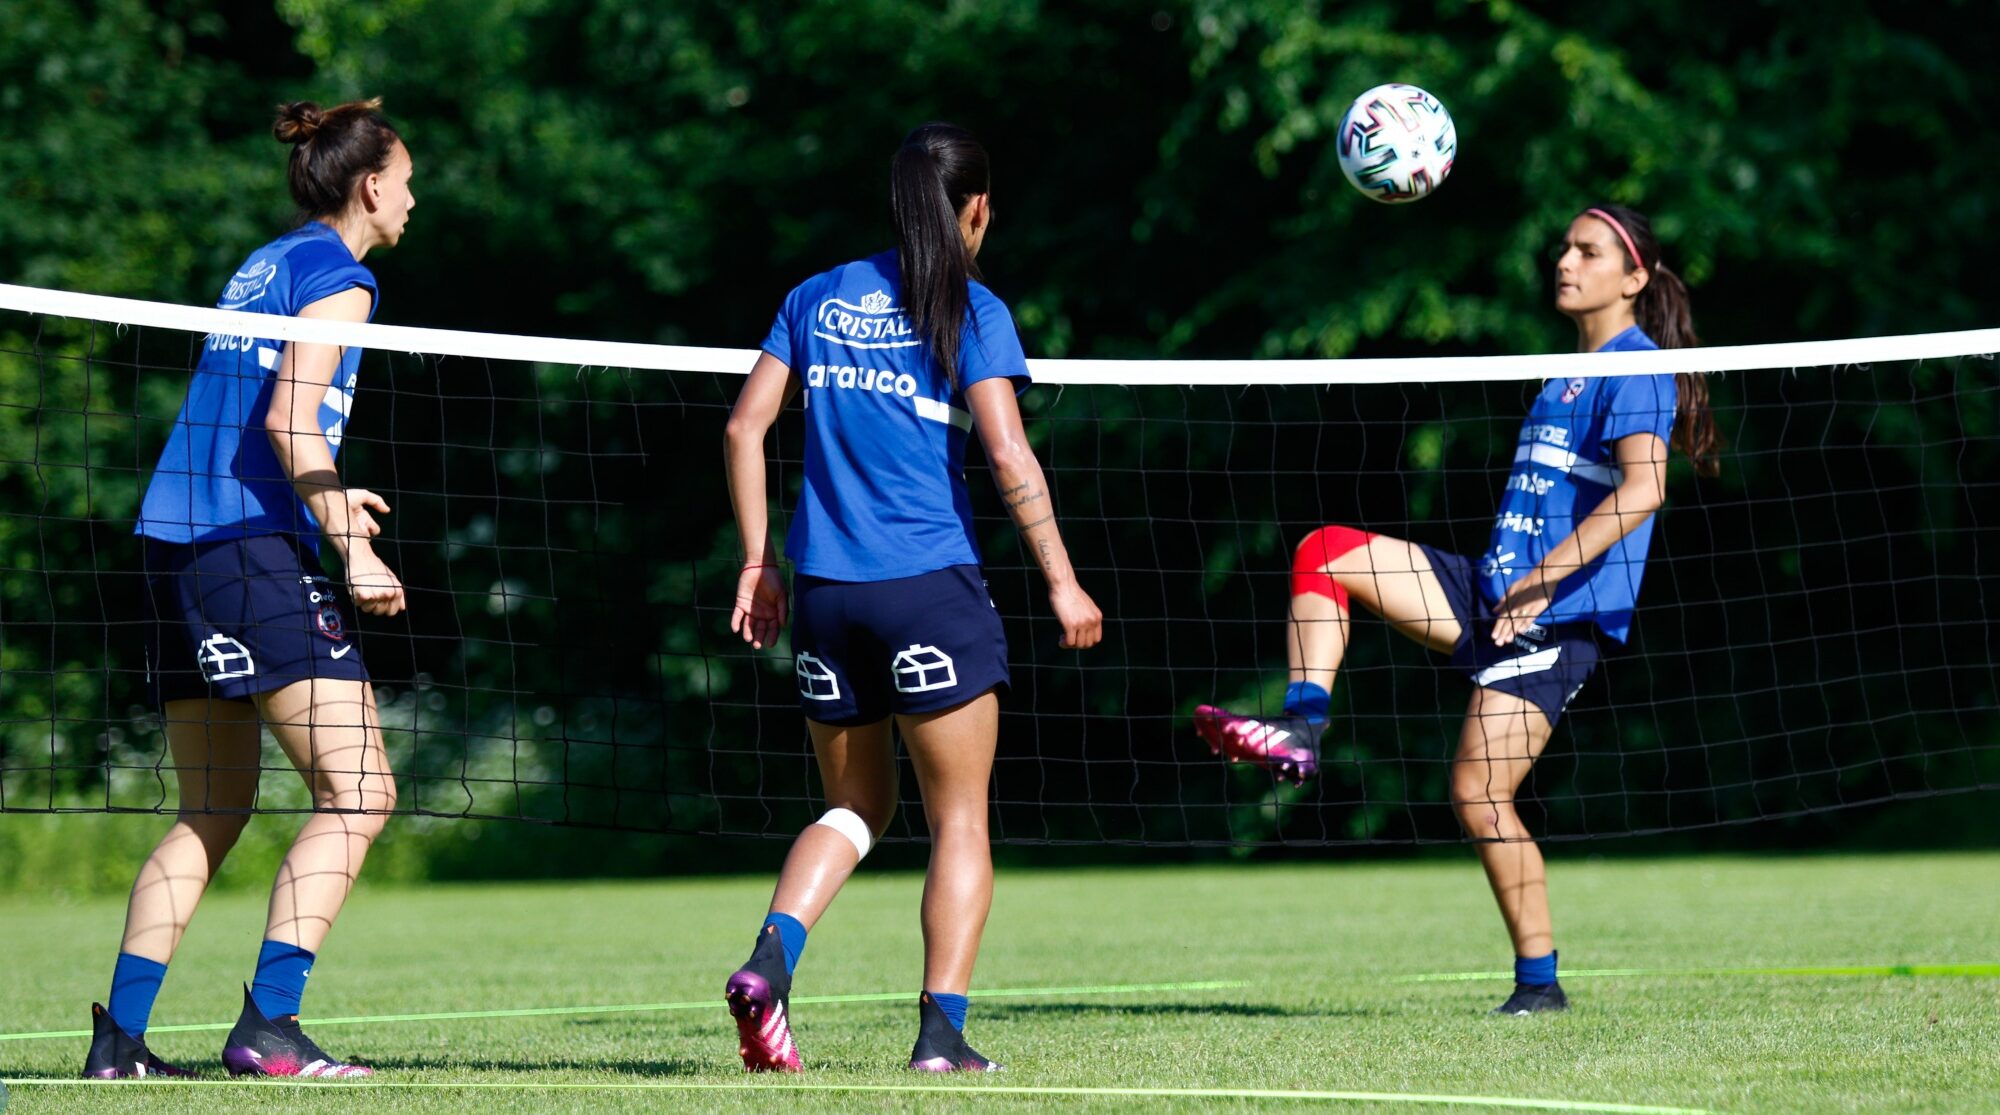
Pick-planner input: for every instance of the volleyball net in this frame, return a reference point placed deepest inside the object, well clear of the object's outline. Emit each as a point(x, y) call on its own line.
point(1814, 632)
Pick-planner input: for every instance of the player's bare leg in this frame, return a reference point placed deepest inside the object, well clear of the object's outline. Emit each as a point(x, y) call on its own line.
point(1502, 737)
point(953, 755)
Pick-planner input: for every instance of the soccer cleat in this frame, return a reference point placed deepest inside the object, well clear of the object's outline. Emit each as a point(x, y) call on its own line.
point(759, 997)
point(1288, 745)
point(940, 1045)
point(117, 1055)
point(260, 1046)
point(1530, 999)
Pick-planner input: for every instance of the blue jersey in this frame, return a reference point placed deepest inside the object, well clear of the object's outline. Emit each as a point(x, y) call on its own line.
point(884, 493)
point(1564, 466)
point(218, 476)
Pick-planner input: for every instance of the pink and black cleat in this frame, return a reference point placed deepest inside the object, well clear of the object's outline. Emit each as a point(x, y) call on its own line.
point(1288, 745)
point(117, 1055)
point(940, 1045)
point(260, 1046)
point(759, 997)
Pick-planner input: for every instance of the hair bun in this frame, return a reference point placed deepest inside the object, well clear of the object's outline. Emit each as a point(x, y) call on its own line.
point(297, 122)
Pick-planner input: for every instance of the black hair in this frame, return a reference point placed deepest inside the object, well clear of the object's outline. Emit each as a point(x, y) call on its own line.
point(333, 149)
point(938, 168)
point(1664, 312)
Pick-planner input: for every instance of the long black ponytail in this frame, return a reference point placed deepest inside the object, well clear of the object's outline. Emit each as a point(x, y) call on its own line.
point(1665, 313)
point(935, 172)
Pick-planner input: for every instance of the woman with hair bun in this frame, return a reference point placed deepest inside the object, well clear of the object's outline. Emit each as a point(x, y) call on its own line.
point(247, 633)
point(1523, 620)
point(901, 357)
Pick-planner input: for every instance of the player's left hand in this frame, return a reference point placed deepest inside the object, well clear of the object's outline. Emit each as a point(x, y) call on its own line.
point(760, 605)
point(1522, 607)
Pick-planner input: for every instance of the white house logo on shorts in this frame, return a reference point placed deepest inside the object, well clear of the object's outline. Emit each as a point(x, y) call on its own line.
point(222, 658)
point(874, 323)
point(922, 669)
point(816, 681)
point(248, 285)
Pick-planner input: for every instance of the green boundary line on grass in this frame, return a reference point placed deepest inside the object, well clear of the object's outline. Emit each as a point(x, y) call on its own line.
point(550, 1012)
point(909, 1089)
point(1974, 970)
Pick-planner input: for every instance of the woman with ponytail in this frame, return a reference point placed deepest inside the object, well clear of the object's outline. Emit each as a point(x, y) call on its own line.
point(247, 633)
point(1523, 620)
point(900, 357)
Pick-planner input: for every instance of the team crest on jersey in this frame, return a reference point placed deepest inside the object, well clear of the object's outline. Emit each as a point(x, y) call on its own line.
point(1574, 389)
point(873, 322)
point(248, 285)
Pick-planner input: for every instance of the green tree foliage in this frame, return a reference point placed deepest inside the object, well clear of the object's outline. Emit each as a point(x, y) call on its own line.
point(1165, 186)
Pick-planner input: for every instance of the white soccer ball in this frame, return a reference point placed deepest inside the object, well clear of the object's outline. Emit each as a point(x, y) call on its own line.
point(1396, 143)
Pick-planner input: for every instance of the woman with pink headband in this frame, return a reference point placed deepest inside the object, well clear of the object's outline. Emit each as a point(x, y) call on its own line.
point(1522, 620)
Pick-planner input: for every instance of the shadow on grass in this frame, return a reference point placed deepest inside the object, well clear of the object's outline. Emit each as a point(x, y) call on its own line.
point(489, 1064)
point(1240, 1010)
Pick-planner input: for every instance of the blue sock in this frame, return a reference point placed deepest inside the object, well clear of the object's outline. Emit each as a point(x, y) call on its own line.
point(281, 978)
point(1303, 698)
point(791, 934)
point(135, 983)
point(953, 1007)
point(1538, 971)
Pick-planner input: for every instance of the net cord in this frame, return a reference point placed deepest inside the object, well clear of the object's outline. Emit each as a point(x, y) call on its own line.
point(1851, 353)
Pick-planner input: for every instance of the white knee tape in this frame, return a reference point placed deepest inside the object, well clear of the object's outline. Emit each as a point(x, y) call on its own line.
point(848, 823)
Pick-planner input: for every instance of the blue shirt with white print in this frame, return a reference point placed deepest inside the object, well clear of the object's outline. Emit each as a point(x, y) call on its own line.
point(218, 476)
point(1564, 467)
point(884, 494)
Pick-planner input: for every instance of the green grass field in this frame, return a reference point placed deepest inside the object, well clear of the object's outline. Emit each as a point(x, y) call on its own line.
point(1313, 962)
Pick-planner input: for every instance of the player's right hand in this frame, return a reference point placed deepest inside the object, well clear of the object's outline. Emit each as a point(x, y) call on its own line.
point(375, 588)
point(760, 605)
point(1082, 622)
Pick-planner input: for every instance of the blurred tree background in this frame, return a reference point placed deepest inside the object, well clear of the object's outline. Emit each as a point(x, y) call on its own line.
point(1165, 187)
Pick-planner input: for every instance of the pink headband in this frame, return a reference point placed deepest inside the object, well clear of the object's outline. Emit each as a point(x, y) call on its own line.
point(1608, 219)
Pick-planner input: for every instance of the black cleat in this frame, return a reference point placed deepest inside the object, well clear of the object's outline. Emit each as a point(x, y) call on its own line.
point(759, 996)
point(117, 1055)
point(940, 1045)
point(1531, 998)
point(260, 1046)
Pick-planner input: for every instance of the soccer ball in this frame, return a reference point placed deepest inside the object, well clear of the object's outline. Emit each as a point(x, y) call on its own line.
point(1396, 143)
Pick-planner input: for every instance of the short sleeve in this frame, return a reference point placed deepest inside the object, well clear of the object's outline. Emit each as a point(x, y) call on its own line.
point(1639, 405)
point(322, 269)
point(778, 342)
point(992, 347)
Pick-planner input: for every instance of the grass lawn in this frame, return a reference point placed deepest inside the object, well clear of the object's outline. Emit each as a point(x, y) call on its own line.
point(1312, 963)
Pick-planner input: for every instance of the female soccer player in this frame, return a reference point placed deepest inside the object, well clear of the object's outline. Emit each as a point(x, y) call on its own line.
point(1568, 550)
point(247, 634)
point(899, 356)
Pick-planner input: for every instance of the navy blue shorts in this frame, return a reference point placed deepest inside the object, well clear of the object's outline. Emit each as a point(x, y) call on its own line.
point(1544, 665)
point(241, 616)
point(866, 649)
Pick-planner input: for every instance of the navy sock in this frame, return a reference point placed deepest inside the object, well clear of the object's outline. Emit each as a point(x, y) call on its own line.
point(1537, 971)
point(953, 1007)
point(281, 978)
point(792, 935)
point(1303, 698)
point(135, 983)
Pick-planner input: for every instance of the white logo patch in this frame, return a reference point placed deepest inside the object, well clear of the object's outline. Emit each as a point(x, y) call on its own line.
point(248, 285)
point(222, 658)
point(816, 680)
point(874, 323)
point(922, 669)
point(1574, 389)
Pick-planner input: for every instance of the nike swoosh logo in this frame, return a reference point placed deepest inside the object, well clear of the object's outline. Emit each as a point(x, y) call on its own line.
point(341, 652)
